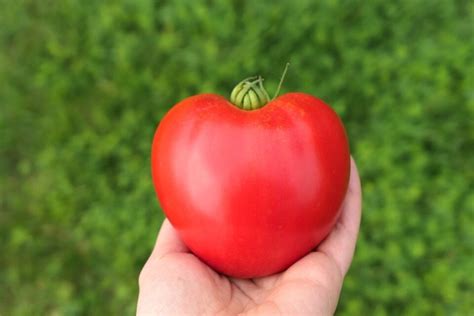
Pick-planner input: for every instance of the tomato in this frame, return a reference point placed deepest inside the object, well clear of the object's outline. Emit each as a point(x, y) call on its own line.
point(251, 191)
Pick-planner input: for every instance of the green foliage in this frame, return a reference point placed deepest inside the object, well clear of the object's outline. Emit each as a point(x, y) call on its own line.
point(84, 83)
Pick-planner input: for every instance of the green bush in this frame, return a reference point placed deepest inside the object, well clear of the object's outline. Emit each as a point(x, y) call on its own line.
point(84, 83)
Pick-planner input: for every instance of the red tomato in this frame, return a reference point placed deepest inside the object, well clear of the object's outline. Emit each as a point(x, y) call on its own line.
point(251, 192)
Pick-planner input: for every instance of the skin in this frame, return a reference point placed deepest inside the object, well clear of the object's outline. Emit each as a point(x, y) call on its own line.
point(175, 282)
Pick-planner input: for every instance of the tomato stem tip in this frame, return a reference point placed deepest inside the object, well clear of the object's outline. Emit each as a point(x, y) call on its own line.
point(281, 80)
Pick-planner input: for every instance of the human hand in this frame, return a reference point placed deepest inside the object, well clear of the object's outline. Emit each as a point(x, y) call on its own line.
point(175, 282)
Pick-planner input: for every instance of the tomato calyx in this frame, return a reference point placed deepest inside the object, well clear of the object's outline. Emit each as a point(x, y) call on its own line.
point(250, 94)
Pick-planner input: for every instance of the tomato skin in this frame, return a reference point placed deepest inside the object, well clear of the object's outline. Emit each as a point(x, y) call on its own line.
point(251, 192)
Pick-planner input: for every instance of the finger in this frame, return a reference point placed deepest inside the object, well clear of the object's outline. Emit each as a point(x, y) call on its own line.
point(168, 241)
point(340, 244)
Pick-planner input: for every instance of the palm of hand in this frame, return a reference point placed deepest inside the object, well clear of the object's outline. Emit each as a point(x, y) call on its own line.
point(175, 282)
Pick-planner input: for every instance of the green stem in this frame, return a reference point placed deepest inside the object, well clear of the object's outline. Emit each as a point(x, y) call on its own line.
point(281, 80)
point(249, 94)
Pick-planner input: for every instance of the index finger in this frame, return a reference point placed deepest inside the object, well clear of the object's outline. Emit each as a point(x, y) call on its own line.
point(341, 242)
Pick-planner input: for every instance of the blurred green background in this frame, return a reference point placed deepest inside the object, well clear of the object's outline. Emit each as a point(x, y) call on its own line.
point(83, 85)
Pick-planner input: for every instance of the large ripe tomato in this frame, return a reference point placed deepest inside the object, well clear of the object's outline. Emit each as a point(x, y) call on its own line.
point(251, 192)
